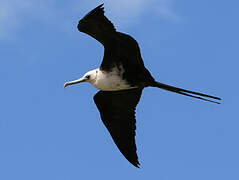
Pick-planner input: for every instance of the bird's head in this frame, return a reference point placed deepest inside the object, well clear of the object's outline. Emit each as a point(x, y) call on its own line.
point(88, 77)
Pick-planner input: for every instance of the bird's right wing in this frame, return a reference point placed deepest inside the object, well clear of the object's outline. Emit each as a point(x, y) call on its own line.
point(117, 110)
point(96, 24)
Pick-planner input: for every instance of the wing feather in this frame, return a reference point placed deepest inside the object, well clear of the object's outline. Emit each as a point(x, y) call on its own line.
point(96, 24)
point(117, 110)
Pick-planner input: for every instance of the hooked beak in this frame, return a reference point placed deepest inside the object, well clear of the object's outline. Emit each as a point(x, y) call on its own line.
point(75, 82)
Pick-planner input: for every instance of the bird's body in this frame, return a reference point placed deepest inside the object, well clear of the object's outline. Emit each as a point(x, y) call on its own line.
point(120, 78)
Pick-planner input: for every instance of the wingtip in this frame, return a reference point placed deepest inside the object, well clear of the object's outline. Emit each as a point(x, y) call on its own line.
point(96, 11)
point(101, 6)
point(135, 164)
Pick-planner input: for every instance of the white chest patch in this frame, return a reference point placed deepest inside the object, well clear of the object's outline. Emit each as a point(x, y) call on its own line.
point(111, 81)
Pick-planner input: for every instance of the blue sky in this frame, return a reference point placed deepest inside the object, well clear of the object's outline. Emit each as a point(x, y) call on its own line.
point(48, 132)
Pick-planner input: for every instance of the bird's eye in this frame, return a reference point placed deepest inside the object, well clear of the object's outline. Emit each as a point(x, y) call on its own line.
point(87, 77)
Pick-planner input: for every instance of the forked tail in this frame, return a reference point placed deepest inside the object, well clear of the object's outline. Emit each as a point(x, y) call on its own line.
point(186, 92)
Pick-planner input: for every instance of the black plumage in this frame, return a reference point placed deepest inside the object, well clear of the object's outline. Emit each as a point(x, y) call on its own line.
point(119, 48)
point(117, 108)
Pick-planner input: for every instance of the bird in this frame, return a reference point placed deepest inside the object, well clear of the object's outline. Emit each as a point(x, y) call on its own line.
point(120, 80)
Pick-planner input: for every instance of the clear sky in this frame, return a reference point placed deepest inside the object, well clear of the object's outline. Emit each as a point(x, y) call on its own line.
point(51, 133)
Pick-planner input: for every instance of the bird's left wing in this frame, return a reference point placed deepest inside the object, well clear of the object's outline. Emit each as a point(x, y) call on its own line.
point(96, 24)
point(117, 110)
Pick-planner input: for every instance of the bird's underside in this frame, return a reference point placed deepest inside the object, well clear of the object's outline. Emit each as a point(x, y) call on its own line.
point(121, 79)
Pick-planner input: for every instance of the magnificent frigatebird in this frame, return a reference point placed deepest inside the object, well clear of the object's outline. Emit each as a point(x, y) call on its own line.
point(120, 78)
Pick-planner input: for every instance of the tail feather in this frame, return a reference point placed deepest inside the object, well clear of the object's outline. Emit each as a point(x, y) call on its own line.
point(186, 92)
